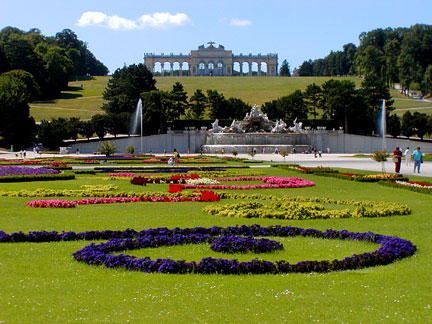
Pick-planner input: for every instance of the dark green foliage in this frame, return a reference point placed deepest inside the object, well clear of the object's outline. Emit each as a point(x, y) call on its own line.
point(156, 108)
point(312, 98)
point(86, 129)
point(407, 125)
point(394, 125)
point(218, 106)
point(285, 69)
point(125, 87)
point(198, 103)
point(52, 133)
point(51, 61)
point(16, 126)
point(101, 124)
point(421, 124)
point(179, 101)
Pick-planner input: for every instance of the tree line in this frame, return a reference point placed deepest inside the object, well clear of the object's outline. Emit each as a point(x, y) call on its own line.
point(400, 55)
point(52, 61)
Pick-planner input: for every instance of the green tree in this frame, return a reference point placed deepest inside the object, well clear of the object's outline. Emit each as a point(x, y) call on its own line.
point(285, 69)
point(86, 129)
point(101, 124)
point(407, 124)
point(156, 109)
point(394, 125)
point(179, 101)
point(294, 106)
point(16, 126)
point(198, 103)
point(52, 133)
point(312, 97)
point(421, 124)
point(237, 107)
point(125, 87)
point(218, 106)
point(427, 81)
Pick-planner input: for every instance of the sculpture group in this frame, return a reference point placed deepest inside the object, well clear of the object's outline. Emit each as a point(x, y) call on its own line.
point(257, 122)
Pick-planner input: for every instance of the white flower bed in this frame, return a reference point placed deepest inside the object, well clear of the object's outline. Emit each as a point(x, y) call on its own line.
point(202, 181)
point(404, 183)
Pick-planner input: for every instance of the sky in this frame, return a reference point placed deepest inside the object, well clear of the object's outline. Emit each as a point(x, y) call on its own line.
point(120, 32)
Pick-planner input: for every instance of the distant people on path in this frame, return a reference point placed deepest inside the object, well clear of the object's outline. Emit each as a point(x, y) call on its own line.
point(418, 159)
point(176, 157)
point(407, 155)
point(397, 159)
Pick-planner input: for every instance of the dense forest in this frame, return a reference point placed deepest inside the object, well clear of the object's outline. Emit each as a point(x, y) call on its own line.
point(52, 61)
point(401, 55)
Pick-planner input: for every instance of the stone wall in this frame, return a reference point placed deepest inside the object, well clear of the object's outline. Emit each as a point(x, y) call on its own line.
point(195, 140)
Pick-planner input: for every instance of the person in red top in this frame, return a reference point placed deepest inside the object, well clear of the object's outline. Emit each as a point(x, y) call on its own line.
point(397, 158)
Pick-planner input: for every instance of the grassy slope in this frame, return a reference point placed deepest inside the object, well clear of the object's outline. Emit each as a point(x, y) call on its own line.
point(87, 101)
point(42, 283)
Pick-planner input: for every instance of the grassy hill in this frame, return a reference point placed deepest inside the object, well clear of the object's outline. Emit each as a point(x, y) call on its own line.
point(84, 98)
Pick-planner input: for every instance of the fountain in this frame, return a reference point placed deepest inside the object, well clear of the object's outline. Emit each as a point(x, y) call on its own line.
point(383, 125)
point(137, 120)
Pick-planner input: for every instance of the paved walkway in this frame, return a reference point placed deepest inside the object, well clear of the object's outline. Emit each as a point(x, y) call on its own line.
point(328, 160)
point(343, 161)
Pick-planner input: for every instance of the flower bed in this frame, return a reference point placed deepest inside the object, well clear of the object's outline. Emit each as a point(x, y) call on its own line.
point(301, 207)
point(38, 177)
point(392, 249)
point(17, 170)
point(239, 244)
point(177, 178)
point(270, 183)
point(409, 185)
point(205, 197)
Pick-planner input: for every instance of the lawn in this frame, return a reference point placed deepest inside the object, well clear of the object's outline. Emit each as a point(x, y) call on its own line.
point(42, 283)
point(84, 98)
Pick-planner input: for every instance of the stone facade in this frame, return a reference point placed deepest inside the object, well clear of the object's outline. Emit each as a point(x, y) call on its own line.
point(213, 61)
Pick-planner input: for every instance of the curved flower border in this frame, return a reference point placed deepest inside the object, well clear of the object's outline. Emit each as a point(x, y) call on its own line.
point(392, 248)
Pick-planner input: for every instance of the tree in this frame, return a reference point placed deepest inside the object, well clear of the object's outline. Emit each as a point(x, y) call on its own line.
point(218, 107)
point(427, 81)
point(156, 108)
point(125, 87)
point(52, 133)
point(421, 124)
point(407, 125)
point(306, 69)
point(237, 107)
point(86, 129)
point(294, 105)
point(16, 126)
point(394, 125)
point(285, 69)
point(107, 148)
point(101, 124)
point(312, 97)
point(198, 103)
point(179, 101)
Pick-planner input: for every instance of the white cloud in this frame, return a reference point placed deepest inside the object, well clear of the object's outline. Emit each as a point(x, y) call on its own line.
point(156, 20)
point(240, 22)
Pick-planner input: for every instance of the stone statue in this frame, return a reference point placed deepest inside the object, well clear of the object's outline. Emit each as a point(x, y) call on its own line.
point(280, 126)
point(215, 126)
point(236, 127)
point(297, 127)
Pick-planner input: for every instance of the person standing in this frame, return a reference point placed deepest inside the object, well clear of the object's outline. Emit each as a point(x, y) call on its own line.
point(397, 157)
point(407, 155)
point(418, 159)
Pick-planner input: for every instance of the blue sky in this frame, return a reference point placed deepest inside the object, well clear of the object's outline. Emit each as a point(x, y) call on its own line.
point(119, 32)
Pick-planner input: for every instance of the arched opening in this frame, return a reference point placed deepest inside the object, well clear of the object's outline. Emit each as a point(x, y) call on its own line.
point(211, 68)
point(201, 68)
point(236, 69)
point(254, 68)
point(185, 68)
point(166, 70)
point(157, 69)
point(176, 69)
point(219, 68)
point(263, 66)
point(245, 68)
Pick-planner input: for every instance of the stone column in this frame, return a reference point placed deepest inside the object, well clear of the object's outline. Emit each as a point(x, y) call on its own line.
point(259, 69)
point(250, 68)
point(171, 69)
point(241, 69)
point(181, 69)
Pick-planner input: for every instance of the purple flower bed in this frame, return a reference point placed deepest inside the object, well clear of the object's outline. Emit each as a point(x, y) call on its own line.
point(16, 170)
point(239, 244)
point(171, 170)
point(392, 249)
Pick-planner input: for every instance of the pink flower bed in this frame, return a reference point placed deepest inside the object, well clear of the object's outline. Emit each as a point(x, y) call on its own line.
point(56, 203)
point(270, 183)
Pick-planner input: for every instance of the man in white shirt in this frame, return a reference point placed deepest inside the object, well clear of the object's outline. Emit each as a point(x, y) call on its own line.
point(407, 155)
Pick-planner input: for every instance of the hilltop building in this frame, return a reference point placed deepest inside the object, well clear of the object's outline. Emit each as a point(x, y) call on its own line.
point(212, 61)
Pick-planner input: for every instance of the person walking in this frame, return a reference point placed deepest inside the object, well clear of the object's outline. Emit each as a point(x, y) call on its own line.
point(397, 157)
point(407, 155)
point(418, 159)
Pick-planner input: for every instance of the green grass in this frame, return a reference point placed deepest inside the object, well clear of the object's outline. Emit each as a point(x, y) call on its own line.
point(42, 283)
point(86, 101)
